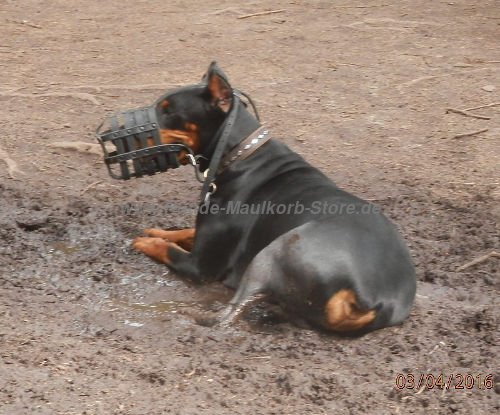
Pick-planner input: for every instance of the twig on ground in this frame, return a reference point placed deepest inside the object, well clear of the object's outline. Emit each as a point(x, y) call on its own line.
point(78, 95)
point(246, 16)
point(417, 80)
point(470, 134)
point(422, 388)
point(382, 20)
point(382, 24)
point(441, 343)
point(465, 113)
point(90, 186)
point(99, 88)
point(368, 27)
point(361, 7)
point(349, 64)
point(493, 104)
point(221, 11)
point(259, 357)
point(11, 164)
point(26, 23)
point(492, 254)
point(425, 78)
point(80, 146)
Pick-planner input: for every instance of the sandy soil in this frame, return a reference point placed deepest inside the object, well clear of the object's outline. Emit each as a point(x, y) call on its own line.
point(361, 89)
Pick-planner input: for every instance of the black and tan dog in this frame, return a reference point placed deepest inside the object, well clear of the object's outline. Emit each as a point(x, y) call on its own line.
point(276, 228)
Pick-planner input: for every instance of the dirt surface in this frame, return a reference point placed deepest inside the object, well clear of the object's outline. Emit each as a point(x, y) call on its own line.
point(361, 89)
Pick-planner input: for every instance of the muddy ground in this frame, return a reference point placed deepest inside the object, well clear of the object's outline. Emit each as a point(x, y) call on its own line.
point(361, 89)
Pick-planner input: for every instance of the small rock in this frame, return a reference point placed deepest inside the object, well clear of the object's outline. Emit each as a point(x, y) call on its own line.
point(96, 277)
point(133, 323)
point(489, 88)
point(488, 280)
point(31, 222)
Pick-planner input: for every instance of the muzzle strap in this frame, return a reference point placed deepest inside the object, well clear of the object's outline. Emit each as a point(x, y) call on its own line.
point(139, 150)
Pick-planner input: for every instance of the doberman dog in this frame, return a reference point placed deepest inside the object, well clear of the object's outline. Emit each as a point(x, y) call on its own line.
point(274, 227)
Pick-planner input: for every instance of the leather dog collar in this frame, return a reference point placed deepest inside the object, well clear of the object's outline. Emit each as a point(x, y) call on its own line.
point(246, 148)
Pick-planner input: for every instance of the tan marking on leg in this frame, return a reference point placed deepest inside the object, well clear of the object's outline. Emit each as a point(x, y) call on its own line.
point(183, 237)
point(343, 313)
point(155, 248)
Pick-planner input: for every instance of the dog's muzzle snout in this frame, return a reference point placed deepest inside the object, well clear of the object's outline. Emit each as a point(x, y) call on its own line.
point(131, 142)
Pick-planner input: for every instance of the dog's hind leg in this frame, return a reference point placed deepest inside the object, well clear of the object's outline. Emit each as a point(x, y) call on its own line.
point(232, 313)
point(253, 287)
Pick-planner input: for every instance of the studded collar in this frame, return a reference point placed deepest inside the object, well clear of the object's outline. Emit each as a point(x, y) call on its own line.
point(246, 148)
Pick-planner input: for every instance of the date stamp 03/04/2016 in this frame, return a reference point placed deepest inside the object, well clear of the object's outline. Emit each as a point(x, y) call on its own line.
point(457, 381)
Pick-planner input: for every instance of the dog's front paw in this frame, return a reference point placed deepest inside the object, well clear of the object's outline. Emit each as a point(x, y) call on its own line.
point(157, 233)
point(155, 248)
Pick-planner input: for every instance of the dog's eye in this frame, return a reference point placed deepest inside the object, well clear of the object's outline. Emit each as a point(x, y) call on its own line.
point(164, 107)
point(164, 104)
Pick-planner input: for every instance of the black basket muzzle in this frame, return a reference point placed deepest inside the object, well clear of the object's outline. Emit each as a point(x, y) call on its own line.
point(136, 147)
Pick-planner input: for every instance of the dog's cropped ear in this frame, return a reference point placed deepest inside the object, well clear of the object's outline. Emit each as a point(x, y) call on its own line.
point(219, 87)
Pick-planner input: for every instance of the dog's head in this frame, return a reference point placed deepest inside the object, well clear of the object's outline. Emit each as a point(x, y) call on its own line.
point(181, 122)
point(192, 115)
